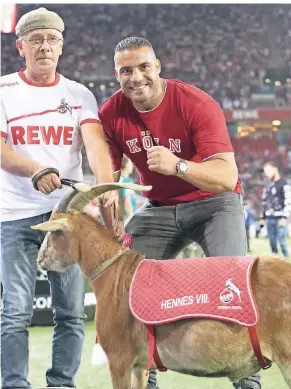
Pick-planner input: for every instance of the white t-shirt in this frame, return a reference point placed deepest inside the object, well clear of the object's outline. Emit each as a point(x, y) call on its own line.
point(42, 123)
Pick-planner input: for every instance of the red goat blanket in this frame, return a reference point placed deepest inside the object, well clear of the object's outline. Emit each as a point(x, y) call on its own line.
point(219, 288)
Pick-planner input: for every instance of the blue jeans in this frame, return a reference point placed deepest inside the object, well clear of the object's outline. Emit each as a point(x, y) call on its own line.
point(277, 234)
point(20, 245)
point(217, 224)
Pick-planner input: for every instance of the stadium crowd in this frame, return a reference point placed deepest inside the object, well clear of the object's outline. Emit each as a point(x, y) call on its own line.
point(251, 154)
point(222, 49)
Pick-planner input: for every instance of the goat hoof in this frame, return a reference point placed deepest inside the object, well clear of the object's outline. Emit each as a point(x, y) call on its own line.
point(152, 385)
point(246, 383)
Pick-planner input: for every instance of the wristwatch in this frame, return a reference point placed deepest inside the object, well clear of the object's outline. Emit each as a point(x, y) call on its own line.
point(181, 167)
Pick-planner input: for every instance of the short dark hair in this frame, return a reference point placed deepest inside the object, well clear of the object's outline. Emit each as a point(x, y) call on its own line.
point(132, 43)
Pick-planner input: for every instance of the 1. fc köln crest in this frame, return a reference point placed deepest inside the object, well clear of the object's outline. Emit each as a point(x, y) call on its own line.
point(64, 107)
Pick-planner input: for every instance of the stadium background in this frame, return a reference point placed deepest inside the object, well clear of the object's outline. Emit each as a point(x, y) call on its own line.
point(239, 54)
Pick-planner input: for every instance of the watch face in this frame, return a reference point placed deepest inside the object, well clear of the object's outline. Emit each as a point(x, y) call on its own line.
point(183, 167)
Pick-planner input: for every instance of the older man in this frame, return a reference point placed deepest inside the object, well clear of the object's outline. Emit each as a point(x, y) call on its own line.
point(45, 120)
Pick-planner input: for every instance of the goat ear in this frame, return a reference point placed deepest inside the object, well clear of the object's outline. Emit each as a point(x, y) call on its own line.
point(54, 225)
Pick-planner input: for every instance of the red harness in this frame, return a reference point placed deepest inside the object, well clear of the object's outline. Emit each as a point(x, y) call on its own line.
point(154, 355)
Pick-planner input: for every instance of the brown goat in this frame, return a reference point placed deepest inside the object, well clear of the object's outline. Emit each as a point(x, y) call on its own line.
point(193, 346)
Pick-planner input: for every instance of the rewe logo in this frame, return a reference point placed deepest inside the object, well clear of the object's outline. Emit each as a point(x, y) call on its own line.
point(35, 135)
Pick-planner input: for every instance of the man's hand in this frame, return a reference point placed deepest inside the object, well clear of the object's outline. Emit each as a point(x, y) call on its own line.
point(107, 203)
point(282, 223)
point(106, 199)
point(119, 229)
point(162, 160)
point(48, 183)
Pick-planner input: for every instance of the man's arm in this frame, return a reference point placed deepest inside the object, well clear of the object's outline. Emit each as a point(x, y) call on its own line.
point(218, 171)
point(97, 152)
point(216, 174)
point(213, 167)
point(264, 196)
point(100, 163)
point(262, 214)
point(11, 161)
point(287, 200)
point(18, 165)
point(15, 163)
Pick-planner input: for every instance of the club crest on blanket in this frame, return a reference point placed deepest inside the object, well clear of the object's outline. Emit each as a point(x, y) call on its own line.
point(230, 295)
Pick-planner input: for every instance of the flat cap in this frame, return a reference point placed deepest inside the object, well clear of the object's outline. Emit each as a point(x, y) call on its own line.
point(39, 18)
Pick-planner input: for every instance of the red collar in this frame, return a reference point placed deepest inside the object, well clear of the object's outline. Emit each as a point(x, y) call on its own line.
point(22, 76)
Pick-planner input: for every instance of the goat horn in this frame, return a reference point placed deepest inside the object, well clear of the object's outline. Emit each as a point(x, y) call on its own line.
point(76, 201)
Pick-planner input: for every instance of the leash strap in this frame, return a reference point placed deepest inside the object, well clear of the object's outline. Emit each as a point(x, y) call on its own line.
point(97, 271)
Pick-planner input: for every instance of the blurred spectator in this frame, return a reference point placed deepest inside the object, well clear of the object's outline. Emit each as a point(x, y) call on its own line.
point(127, 196)
point(251, 155)
point(250, 220)
point(281, 95)
point(276, 208)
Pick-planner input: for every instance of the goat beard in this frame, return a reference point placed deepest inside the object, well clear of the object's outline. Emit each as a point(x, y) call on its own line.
point(58, 265)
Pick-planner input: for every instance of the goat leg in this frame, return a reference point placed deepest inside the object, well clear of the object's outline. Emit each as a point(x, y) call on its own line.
point(120, 373)
point(285, 368)
point(139, 379)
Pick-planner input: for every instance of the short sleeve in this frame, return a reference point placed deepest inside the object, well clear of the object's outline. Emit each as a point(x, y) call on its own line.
point(4, 127)
point(209, 130)
point(89, 111)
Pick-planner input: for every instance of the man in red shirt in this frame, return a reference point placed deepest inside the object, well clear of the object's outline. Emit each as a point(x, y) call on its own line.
point(176, 136)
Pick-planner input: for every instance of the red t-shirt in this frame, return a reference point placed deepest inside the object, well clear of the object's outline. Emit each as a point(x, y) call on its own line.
point(188, 121)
